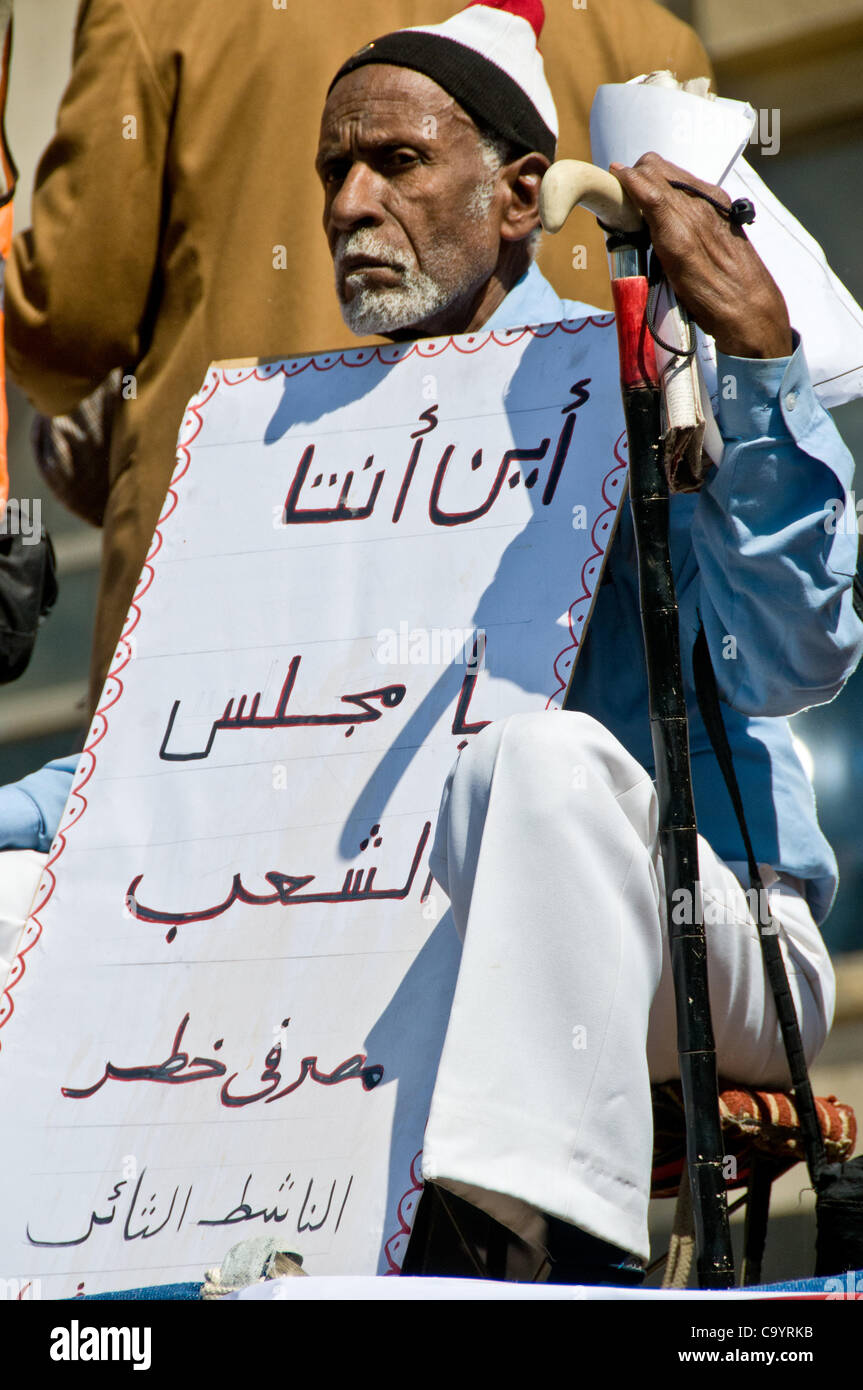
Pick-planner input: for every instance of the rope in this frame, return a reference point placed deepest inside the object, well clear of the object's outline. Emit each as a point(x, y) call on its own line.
point(682, 1248)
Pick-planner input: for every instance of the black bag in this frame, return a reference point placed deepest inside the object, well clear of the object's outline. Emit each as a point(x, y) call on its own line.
point(839, 1217)
point(28, 591)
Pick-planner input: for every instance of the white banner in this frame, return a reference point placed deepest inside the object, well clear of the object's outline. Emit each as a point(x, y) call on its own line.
point(707, 138)
point(230, 999)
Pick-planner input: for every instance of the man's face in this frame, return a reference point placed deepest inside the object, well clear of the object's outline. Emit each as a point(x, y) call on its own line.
point(410, 210)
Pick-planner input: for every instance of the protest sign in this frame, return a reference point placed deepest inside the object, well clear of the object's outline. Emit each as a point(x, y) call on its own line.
point(232, 993)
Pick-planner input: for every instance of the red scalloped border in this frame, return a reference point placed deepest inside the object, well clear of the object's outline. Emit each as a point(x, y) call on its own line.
point(611, 483)
point(395, 1247)
point(113, 689)
point(390, 353)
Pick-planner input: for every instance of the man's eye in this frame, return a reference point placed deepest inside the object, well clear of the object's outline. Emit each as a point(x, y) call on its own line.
point(401, 159)
point(334, 173)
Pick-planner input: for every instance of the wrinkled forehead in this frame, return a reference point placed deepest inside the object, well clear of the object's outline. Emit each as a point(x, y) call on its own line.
point(384, 103)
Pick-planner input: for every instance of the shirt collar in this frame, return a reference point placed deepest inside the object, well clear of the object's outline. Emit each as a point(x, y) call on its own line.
point(531, 300)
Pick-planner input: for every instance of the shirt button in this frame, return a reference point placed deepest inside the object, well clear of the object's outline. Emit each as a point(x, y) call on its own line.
point(791, 400)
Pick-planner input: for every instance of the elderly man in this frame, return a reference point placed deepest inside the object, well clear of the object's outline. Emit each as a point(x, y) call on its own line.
point(432, 149)
point(182, 159)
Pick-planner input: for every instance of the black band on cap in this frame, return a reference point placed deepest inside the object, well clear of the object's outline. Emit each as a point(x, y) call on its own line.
point(486, 92)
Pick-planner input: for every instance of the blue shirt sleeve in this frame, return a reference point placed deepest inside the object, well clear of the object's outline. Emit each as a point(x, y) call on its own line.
point(774, 537)
point(30, 810)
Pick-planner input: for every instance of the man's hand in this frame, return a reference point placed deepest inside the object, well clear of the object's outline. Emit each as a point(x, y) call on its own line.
point(714, 270)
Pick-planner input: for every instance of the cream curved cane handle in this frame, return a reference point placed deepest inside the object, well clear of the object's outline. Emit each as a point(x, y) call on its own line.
point(570, 182)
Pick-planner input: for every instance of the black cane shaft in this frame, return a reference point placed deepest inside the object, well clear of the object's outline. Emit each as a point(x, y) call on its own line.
point(678, 836)
point(807, 1112)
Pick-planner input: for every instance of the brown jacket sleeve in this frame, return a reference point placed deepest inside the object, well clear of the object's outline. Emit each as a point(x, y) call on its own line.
point(78, 283)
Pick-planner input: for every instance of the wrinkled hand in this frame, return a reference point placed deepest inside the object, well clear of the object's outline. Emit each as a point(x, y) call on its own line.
point(714, 270)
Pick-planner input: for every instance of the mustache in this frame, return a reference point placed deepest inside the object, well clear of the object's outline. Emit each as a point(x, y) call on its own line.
point(365, 241)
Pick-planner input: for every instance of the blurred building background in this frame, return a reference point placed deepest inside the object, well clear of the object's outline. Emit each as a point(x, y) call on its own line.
point(800, 63)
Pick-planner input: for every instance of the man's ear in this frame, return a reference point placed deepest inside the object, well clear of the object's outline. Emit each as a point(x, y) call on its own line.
point(520, 215)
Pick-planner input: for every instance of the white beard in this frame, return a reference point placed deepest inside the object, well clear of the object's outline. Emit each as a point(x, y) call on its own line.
point(392, 308)
point(385, 310)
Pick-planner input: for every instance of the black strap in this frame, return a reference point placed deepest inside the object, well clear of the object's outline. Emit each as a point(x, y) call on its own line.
point(858, 581)
point(655, 278)
point(740, 212)
point(707, 695)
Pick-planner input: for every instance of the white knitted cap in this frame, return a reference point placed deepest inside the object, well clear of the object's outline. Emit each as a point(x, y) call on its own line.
point(486, 57)
point(507, 35)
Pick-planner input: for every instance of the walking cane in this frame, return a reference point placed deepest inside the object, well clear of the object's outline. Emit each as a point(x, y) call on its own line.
point(567, 183)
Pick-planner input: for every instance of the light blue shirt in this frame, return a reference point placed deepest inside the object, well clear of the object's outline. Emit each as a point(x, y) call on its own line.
point(30, 810)
point(758, 559)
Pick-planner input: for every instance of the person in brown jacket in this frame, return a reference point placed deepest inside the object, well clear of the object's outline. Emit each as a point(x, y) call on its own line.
point(177, 215)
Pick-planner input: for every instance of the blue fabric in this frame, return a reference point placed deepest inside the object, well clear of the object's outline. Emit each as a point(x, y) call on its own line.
point(30, 810)
point(150, 1294)
point(851, 1283)
point(532, 300)
point(756, 560)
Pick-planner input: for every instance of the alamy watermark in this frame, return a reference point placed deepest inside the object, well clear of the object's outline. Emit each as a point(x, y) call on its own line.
point(846, 520)
point(431, 646)
point(22, 517)
point(840, 1286)
point(700, 121)
point(77, 1343)
point(20, 1290)
point(715, 908)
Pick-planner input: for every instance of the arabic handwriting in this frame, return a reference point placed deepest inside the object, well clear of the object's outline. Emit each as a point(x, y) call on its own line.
point(431, 421)
point(185, 1207)
point(459, 719)
point(344, 1202)
point(242, 1207)
point(407, 479)
point(389, 696)
point(293, 516)
point(441, 518)
point(581, 393)
point(286, 893)
point(243, 1210)
point(169, 1072)
point(141, 1210)
point(460, 724)
point(352, 1068)
point(310, 1225)
point(560, 455)
point(145, 1232)
point(95, 1220)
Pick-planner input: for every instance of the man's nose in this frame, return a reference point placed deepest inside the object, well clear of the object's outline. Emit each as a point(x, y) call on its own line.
point(357, 202)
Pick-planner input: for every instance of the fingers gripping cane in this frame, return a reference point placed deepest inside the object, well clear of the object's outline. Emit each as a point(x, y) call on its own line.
point(567, 183)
